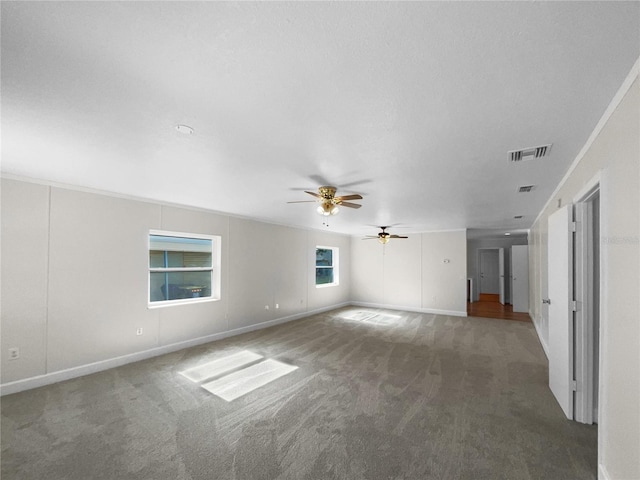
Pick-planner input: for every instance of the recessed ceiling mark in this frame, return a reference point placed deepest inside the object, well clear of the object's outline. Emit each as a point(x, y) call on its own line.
point(518, 217)
point(529, 153)
point(526, 188)
point(187, 130)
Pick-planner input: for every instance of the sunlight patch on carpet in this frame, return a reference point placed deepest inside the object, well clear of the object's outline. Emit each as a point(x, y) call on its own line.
point(240, 383)
point(371, 318)
point(220, 366)
point(380, 320)
point(359, 316)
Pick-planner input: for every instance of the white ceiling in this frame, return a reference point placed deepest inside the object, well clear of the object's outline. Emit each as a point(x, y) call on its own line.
point(412, 105)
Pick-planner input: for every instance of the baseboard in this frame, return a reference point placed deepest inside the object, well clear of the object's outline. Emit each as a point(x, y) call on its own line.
point(602, 473)
point(455, 313)
point(82, 370)
point(545, 347)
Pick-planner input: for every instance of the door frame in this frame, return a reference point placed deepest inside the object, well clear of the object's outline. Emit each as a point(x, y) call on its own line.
point(584, 316)
point(502, 284)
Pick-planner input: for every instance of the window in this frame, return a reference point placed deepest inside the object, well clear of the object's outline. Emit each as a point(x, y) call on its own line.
point(326, 266)
point(183, 268)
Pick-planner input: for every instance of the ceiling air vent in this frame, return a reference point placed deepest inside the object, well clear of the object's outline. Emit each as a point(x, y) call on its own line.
point(525, 188)
point(529, 153)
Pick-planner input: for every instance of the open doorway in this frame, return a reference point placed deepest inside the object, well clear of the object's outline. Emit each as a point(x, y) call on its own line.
point(482, 247)
point(492, 287)
point(490, 278)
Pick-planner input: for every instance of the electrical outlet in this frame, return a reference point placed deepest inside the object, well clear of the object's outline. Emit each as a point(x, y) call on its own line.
point(139, 331)
point(14, 353)
point(266, 307)
point(277, 305)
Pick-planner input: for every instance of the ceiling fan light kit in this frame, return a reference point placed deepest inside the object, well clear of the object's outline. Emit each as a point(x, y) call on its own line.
point(327, 208)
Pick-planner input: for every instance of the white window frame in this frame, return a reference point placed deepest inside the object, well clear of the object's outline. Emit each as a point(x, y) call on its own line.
point(335, 265)
point(216, 242)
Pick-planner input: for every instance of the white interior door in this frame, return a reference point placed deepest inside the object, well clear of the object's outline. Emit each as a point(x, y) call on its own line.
point(489, 271)
point(520, 278)
point(560, 275)
point(501, 274)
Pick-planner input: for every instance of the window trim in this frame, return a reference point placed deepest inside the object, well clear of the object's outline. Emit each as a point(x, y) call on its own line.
point(216, 248)
point(335, 265)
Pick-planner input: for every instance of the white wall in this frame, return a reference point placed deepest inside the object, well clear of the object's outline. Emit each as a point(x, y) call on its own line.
point(367, 269)
point(411, 274)
point(614, 154)
point(24, 243)
point(264, 260)
point(97, 279)
point(276, 265)
point(74, 280)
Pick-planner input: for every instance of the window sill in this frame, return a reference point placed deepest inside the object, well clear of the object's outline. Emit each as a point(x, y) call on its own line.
point(182, 301)
point(325, 285)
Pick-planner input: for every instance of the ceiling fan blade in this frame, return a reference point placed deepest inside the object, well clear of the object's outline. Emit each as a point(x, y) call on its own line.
point(319, 179)
point(369, 237)
point(349, 204)
point(353, 184)
point(304, 201)
point(397, 236)
point(355, 196)
point(313, 194)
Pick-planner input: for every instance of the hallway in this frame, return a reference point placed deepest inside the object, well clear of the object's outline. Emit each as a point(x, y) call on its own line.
point(490, 307)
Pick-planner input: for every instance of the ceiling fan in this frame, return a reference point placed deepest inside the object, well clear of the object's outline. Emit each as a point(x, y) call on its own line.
point(383, 236)
point(328, 201)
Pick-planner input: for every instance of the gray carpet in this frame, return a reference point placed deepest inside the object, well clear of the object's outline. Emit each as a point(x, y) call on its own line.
point(397, 395)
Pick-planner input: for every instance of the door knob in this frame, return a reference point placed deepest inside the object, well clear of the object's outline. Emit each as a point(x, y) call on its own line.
point(547, 301)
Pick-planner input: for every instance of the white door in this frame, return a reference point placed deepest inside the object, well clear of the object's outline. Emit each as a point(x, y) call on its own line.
point(489, 271)
point(560, 274)
point(501, 274)
point(520, 278)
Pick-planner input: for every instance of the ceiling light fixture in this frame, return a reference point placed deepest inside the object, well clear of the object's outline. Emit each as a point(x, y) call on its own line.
point(185, 129)
point(384, 239)
point(327, 208)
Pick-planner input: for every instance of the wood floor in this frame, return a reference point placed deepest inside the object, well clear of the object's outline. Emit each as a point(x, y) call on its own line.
point(490, 307)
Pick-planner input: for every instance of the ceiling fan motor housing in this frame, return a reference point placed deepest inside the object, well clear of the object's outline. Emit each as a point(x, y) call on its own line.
point(327, 192)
